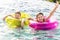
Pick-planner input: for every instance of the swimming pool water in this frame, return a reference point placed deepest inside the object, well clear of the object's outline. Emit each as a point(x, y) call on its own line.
point(32, 7)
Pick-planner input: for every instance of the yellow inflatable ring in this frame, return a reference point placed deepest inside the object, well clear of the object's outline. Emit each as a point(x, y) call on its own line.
point(12, 23)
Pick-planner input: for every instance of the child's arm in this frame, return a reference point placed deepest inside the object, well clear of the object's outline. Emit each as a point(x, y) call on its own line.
point(22, 23)
point(11, 16)
point(7, 16)
point(30, 19)
point(4, 17)
point(52, 12)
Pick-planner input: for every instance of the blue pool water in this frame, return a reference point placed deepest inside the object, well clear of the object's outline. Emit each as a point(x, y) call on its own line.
point(32, 7)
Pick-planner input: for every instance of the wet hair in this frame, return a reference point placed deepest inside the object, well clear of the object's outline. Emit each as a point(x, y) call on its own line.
point(39, 14)
point(18, 13)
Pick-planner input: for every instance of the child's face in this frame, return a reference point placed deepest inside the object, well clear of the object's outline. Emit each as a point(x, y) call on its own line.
point(40, 17)
point(17, 16)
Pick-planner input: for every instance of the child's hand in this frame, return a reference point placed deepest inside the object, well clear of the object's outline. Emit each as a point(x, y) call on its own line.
point(30, 19)
point(57, 3)
point(4, 18)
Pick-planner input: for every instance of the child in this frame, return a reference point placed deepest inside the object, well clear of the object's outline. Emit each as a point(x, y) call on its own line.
point(17, 16)
point(40, 16)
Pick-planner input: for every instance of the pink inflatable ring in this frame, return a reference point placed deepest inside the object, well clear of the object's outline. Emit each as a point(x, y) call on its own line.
point(43, 26)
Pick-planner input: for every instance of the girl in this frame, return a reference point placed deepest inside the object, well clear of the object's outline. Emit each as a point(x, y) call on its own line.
point(40, 16)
